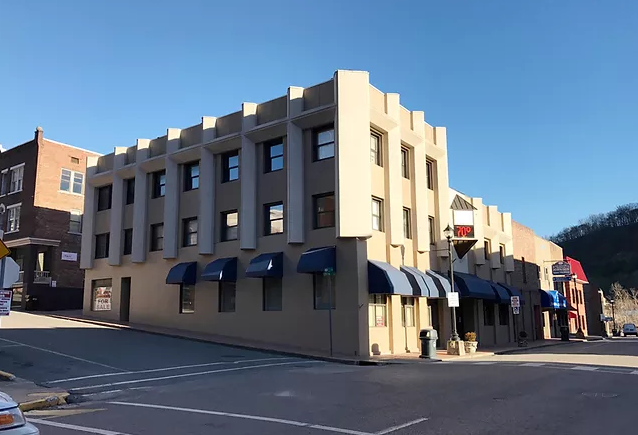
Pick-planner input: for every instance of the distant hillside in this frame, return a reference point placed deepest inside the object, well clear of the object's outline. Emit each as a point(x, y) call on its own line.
point(606, 245)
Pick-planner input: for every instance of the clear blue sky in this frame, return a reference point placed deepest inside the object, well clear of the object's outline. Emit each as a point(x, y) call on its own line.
point(539, 97)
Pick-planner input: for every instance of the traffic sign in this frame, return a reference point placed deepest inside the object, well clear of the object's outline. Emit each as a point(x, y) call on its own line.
point(561, 268)
point(562, 279)
point(4, 251)
point(453, 299)
point(516, 310)
point(515, 301)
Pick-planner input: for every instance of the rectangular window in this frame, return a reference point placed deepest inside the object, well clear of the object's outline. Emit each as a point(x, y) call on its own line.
point(159, 184)
point(75, 221)
point(488, 313)
point(431, 230)
point(524, 270)
point(130, 191)
point(191, 176)
point(229, 225)
point(78, 182)
point(102, 245)
point(501, 253)
point(429, 173)
point(405, 162)
point(189, 232)
point(75, 160)
point(407, 224)
point(324, 141)
point(101, 290)
point(128, 241)
point(272, 294)
point(324, 292)
point(13, 218)
point(71, 181)
point(503, 314)
point(187, 299)
point(377, 214)
point(4, 182)
point(274, 155)
point(375, 148)
point(377, 311)
point(230, 166)
point(16, 176)
point(227, 297)
point(104, 197)
point(558, 286)
point(407, 312)
point(157, 237)
point(324, 210)
point(65, 180)
point(487, 247)
point(274, 218)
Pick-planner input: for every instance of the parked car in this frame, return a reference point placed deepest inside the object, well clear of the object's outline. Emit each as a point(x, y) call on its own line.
point(629, 329)
point(12, 420)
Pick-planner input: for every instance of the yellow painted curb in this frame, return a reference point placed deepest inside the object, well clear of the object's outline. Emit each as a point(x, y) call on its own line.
point(47, 402)
point(6, 376)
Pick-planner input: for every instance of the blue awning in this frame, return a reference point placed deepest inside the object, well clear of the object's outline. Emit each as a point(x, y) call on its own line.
point(266, 266)
point(317, 260)
point(222, 269)
point(416, 278)
point(513, 291)
point(502, 295)
point(442, 284)
point(553, 299)
point(182, 273)
point(385, 279)
point(472, 286)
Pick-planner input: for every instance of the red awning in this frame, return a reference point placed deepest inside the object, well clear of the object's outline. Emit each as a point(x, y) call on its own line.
point(577, 268)
point(572, 315)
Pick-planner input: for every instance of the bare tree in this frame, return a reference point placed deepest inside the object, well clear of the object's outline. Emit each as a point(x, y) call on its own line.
point(623, 215)
point(625, 304)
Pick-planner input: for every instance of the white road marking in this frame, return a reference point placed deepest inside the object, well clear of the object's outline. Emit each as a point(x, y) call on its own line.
point(484, 363)
point(133, 372)
point(62, 354)
point(635, 372)
point(401, 426)
point(585, 368)
point(92, 430)
point(272, 419)
point(186, 375)
point(11, 345)
point(533, 364)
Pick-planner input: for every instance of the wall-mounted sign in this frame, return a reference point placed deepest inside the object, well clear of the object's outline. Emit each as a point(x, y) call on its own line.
point(453, 299)
point(69, 256)
point(5, 302)
point(561, 268)
point(562, 279)
point(464, 231)
point(102, 299)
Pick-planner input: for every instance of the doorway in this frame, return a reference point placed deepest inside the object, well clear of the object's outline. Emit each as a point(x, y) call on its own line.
point(125, 299)
point(433, 308)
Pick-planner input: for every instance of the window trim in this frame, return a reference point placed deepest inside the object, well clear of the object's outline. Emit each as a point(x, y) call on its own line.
point(185, 234)
point(378, 153)
point(110, 201)
point(224, 226)
point(21, 180)
point(71, 182)
point(432, 230)
point(107, 237)
point(153, 240)
point(268, 220)
point(315, 142)
point(315, 211)
point(407, 234)
point(501, 253)
point(267, 146)
point(127, 184)
point(156, 191)
point(405, 162)
point(378, 201)
point(226, 168)
point(487, 247)
point(9, 208)
point(429, 173)
point(188, 176)
point(4, 177)
point(79, 214)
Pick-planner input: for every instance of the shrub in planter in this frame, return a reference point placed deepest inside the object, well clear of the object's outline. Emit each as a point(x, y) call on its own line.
point(470, 342)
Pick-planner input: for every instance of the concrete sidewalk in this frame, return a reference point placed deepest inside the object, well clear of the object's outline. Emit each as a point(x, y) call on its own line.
point(31, 396)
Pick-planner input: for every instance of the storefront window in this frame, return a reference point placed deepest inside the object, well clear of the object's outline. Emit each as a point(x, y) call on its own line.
point(503, 314)
point(187, 297)
point(488, 313)
point(377, 310)
point(102, 291)
point(407, 311)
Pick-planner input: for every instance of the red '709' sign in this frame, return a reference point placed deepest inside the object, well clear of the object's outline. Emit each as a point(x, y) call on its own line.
point(464, 231)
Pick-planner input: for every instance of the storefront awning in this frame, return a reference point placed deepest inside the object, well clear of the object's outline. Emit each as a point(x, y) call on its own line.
point(317, 260)
point(416, 278)
point(442, 283)
point(553, 299)
point(182, 273)
point(385, 279)
point(222, 269)
point(502, 295)
point(472, 286)
point(266, 266)
point(513, 291)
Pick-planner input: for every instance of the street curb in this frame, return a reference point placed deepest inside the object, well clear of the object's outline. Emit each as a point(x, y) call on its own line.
point(347, 361)
point(530, 349)
point(47, 402)
point(6, 376)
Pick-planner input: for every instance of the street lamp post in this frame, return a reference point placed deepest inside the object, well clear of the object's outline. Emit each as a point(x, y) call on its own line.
point(579, 332)
point(613, 316)
point(449, 233)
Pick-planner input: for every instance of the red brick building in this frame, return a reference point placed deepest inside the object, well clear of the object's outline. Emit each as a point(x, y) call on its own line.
point(574, 291)
point(42, 187)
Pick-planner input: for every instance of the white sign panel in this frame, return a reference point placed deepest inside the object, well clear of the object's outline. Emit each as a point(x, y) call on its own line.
point(516, 310)
point(452, 299)
point(54, 283)
point(463, 217)
point(5, 302)
point(102, 299)
point(515, 301)
point(11, 272)
point(69, 256)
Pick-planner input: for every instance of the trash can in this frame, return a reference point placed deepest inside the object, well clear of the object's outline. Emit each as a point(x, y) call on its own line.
point(428, 339)
point(564, 333)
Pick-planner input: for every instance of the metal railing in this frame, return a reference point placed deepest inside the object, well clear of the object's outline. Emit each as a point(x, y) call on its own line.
point(41, 277)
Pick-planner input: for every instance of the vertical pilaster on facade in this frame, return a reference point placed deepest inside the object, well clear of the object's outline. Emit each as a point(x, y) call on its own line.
point(294, 170)
point(206, 220)
point(479, 252)
point(395, 178)
point(208, 128)
point(248, 177)
point(171, 199)
point(88, 220)
point(420, 198)
point(140, 205)
point(508, 242)
point(443, 190)
point(117, 209)
point(495, 224)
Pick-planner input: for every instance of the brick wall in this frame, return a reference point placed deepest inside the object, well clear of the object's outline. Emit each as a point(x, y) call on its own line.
point(524, 248)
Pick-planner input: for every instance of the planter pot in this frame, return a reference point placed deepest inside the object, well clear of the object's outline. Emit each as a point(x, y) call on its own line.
point(471, 346)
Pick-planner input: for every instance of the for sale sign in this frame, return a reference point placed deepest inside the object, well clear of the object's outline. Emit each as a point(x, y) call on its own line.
point(102, 299)
point(5, 302)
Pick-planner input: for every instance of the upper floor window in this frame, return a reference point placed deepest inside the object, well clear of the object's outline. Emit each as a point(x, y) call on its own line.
point(501, 253)
point(274, 218)
point(159, 184)
point(324, 143)
point(407, 224)
point(431, 230)
point(128, 241)
point(13, 217)
point(274, 155)
point(375, 148)
point(71, 181)
point(324, 210)
point(130, 190)
point(377, 214)
point(229, 225)
point(104, 197)
point(429, 173)
point(230, 166)
point(190, 232)
point(16, 175)
point(75, 221)
point(405, 162)
point(191, 176)
point(524, 269)
point(157, 237)
point(102, 245)
point(4, 182)
point(487, 247)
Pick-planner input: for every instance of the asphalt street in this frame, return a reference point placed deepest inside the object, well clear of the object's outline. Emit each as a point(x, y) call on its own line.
point(131, 383)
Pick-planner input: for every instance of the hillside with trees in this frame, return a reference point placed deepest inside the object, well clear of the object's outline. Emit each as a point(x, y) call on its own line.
point(607, 246)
